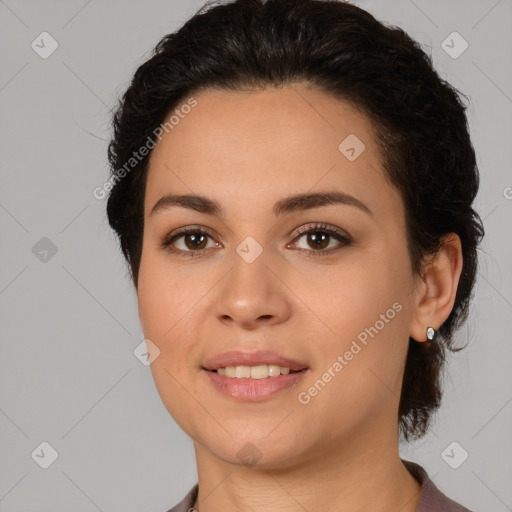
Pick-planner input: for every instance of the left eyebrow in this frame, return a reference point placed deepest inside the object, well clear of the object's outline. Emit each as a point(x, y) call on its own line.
point(315, 200)
point(284, 206)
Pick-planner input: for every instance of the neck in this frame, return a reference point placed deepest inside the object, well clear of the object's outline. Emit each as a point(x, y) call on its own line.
point(363, 473)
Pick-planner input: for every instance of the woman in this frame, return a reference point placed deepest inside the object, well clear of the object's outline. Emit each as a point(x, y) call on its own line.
point(292, 186)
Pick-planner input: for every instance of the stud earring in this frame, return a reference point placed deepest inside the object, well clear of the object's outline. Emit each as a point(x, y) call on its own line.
point(430, 333)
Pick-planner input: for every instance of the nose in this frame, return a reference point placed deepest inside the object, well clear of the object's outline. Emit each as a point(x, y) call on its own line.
point(251, 295)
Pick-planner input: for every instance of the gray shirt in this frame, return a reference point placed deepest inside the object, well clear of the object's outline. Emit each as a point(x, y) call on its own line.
point(431, 498)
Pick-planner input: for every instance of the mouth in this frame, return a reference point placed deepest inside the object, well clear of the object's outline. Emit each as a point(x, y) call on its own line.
point(253, 383)
point(253, 377)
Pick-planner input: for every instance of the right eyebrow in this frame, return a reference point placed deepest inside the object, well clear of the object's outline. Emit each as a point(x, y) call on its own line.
point(192, 201)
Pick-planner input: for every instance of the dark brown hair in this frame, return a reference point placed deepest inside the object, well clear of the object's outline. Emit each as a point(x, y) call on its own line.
point(343, 50)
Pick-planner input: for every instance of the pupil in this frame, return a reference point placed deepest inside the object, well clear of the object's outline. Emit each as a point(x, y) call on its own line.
point(319, 241)
point(195, 240)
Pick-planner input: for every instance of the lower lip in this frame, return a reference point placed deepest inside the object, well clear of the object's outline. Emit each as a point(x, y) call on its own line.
point(253, 390)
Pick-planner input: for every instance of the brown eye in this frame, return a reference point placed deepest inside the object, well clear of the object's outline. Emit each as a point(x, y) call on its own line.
point(189, 242)
point(194, 241)
point(320, 240)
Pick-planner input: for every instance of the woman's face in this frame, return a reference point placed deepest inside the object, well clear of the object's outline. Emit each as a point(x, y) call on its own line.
point(338, 302)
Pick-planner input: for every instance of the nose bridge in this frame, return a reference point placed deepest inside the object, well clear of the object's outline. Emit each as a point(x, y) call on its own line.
point(250, 292)
point(250, 270)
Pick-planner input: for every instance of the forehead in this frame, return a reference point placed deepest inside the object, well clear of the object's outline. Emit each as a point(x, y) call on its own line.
point(253, 147)
point(304, 119)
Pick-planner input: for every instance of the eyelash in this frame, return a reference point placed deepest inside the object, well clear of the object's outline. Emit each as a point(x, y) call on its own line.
point(306, 230)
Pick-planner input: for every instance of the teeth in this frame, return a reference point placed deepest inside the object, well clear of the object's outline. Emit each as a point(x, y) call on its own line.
point(242, 372)
point(254, 372)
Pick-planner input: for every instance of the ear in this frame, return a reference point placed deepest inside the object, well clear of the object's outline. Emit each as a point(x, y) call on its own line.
point(437, 288)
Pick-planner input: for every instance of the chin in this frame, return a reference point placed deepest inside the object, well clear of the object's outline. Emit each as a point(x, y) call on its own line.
point(257, 453)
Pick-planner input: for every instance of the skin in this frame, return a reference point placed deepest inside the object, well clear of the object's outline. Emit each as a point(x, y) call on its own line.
point(248, 150)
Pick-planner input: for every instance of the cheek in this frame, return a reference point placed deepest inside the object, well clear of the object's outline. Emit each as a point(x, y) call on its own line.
point(155, 302)
point(353, 295)
point(359, 376)
point(165, 308)
point(162, 296)
point(365, 309)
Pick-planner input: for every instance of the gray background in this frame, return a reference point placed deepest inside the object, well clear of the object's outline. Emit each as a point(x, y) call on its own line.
point(69, 322)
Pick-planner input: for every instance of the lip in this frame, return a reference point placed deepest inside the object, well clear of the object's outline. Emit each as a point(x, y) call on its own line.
point(238, 358)
point(253, 390)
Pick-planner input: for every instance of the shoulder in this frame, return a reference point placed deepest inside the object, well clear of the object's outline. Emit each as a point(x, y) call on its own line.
point(431, 499)
point(187, 503)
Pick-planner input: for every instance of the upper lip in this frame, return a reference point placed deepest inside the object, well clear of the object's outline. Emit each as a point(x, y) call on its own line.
point(238, 358)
